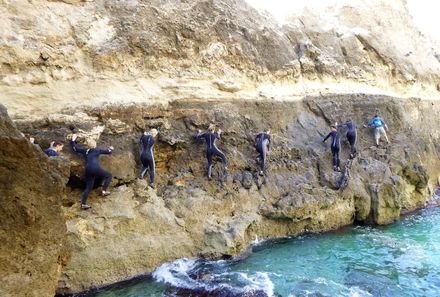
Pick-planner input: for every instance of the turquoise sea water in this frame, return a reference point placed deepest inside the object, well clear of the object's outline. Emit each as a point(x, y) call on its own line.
point(402, 259)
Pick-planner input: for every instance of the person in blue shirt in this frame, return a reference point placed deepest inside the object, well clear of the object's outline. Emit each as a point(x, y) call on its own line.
point(54, 149)
point(262, 144)
point(93, 170)
point(379, 128)
point(147, 157)
point(335, 146)
point(211, 148)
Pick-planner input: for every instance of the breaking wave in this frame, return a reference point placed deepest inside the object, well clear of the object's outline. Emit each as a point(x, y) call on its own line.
point(213, 277)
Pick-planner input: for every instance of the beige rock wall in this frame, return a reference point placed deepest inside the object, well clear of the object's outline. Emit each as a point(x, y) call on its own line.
point(136, 228)
point(32, 225)
point(58, 54)
point(110, 69)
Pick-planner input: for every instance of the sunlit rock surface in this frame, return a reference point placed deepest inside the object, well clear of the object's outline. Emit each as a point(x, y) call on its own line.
point(137, 228)
point(110, 70)
point(57, 54)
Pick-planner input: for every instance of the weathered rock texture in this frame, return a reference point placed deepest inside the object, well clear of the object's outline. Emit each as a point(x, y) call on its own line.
point(32, 225)
point(59, 53)
point(177, 66)
point(137, 228)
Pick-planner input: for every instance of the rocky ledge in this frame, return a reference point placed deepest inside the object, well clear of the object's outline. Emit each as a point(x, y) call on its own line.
point(111, 69)
point(137, 228)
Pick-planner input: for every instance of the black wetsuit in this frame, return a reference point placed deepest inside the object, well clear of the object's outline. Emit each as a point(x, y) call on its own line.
point(262, 145)
point(211, 149)
point(351, 136)
point(51, 152)
point(93, 170)
point(335, 146)
point(147, 156)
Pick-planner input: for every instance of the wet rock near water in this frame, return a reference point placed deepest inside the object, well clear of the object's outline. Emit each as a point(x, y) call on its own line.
point(109, 71)
point(137, 228)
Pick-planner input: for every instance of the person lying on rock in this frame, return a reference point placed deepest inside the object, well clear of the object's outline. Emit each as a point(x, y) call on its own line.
point(147, 157)
point(379, 124)
point(54, 149)
point(93, 170)
point(262, 144)
point(351, 136)
point(335, 146)
point(210, 137)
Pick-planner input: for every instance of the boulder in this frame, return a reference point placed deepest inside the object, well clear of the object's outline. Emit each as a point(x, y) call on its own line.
point(385, 203)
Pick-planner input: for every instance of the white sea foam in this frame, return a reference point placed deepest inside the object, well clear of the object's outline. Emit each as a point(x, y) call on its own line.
point(176, 273)
point(358, 292)
point(259, 281)
point(257, 241)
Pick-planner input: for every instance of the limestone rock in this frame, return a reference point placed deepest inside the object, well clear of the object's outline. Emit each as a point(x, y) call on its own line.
point(362, 200)
point(247, 180)
point(86, 53)
point(227, 86)
point(32, 229)
point(220, 217)
point(117, 126)
point(121, 164)
point(385, 203)
point(112, 70)
point(150, 236)
point(137, 228)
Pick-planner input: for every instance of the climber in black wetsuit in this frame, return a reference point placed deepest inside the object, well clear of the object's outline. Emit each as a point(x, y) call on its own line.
point(351, 136)
point(262, 144)
point(54, 149)
point(93, 170)
point(147, 157)
point(211, 149)
point(335, 146)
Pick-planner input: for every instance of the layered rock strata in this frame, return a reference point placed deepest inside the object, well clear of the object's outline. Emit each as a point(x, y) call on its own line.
point(137, 228)
point(59, 53)
point(110, 69)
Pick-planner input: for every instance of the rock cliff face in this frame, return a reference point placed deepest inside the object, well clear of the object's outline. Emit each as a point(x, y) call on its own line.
point(137, 228)
point(32, 227)
point(178, 66)
point(71, 53)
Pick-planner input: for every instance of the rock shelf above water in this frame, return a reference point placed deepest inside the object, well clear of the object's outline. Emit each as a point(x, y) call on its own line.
point(137, 228)
point(111, 69)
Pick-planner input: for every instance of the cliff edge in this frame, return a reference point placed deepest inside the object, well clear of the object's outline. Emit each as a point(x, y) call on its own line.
point(112, 69)
point(137, 228)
